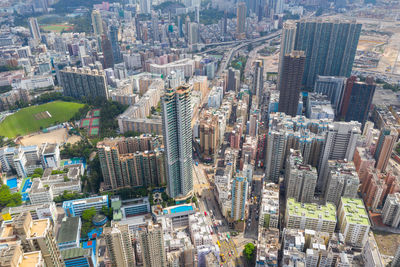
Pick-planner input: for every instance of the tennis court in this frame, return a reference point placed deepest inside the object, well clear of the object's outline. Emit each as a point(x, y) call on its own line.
point(94, 131)
point(85, 123)
point(95, 122)
point(96, 113)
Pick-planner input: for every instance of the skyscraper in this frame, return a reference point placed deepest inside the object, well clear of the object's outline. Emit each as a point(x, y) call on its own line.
point(276, 144)
point(119, 246)
point(176, 121)
point(97, 22)
point(357, 99)
point(79, 83)
point(106, 47)
point(331, 86)
point(34, 29)
point(258, 80)
point(290, 82)
point(287, 42)
point(330, 48)
point(193, 36)
point(151, 241)
point(300, 178)
point(225, 23)
point(241, 20)
point(113, 33)
point(239, 198)
point(384, 147)
point(180, 27)
point(145, 6)
point(342, 181)
point(340, 143)
point(154, 26)
point(129, 162)
point(138, 27)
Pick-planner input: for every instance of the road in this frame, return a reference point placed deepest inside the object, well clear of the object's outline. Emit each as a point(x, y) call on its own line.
point(252, 223)
point(227, 59)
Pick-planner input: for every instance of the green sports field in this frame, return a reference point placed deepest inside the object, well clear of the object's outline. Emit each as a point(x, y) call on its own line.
point(57, 27)
point(30, 119)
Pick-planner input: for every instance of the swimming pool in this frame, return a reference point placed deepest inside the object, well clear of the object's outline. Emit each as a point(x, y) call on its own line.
point(27, 185)
point(12, 183)
point(179, 209)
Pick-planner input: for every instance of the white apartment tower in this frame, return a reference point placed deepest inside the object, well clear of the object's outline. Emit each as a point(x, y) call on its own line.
point(300, 179)
point(177, 132)
point(340, 143)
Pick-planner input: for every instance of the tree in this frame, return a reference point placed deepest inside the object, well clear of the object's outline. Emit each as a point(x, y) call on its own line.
point(8, 199)
point(87, 215)
point(249, 251)
point(108, 212)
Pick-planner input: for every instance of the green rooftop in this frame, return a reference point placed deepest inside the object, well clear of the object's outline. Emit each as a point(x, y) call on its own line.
point(72, 253)
point(311, 210)
point(354, 211)
point(69, 230)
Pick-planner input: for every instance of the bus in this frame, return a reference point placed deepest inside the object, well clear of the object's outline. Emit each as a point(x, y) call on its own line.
point(219, 244)
point(227, 235)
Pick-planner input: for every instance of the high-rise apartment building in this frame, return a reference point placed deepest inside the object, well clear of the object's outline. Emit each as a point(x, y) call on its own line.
point(353, 221)
point(145, 6)
point(233, 79)
point(340, 143)
point(330, 47)
point(151, 241)
point(79, 83)
point(177, 132)
point(391, 210)
point(357, 99)
point(155, 26)
point(131, 162)
point(38, 235)
point(239, 198)
point(119, 246)
point(342, 181)
point(34, 29)
point(258, 79)
point(396, 259)
point(384, 147)
point(241, 20)
point(310, 216)
point(331, 86)
point(287, 42)
point(97, 22)
point(108, 56)
point(113, 33)
point(276, 144)
point(193, 35)
point(290, 82)
point(300, 178)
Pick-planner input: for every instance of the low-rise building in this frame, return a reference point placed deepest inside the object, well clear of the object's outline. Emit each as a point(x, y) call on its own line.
point(77, 206)
point(69, 233)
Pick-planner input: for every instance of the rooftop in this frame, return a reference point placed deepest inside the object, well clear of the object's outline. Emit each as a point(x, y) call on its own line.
point(68, 230)
point(39, 227)
point(31, 259)
point(311, 210)
point(72, 253)
point(354, 211)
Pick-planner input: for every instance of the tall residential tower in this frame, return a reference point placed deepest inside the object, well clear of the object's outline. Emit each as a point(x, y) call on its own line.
point(176, 121)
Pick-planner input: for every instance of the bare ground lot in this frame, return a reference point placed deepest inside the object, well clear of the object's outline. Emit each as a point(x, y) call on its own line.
point(59, 136)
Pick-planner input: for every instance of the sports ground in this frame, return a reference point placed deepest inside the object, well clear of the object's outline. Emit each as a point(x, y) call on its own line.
point(32, 119)
point(57, 27)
